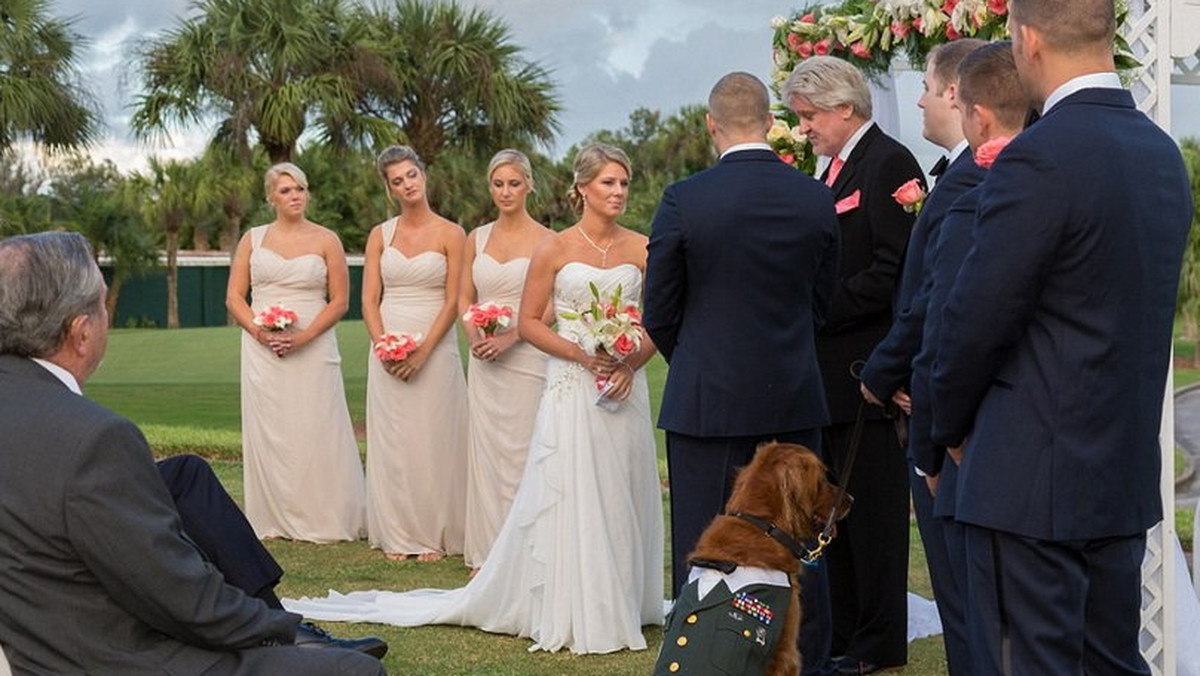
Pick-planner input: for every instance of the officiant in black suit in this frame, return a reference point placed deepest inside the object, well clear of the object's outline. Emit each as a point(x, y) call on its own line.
point(99, 576)
point(742, 264)
point(1053, 354)
point(868, 561)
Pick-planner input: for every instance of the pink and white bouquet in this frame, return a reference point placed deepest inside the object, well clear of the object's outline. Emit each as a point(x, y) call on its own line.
point(911, 195)
point(396, 346)
point(609, 324)
point(275, 318)
point(489, 317)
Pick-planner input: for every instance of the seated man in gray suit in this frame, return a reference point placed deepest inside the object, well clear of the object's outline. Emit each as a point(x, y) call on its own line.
point(97, 575)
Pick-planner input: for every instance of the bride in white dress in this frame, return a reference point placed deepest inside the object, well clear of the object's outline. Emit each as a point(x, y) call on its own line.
point(578, 564)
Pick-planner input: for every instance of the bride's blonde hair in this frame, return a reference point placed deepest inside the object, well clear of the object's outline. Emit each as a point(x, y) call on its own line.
point(588, 164)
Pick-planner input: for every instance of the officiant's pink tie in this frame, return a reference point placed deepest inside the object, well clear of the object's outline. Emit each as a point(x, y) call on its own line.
point(835, 168)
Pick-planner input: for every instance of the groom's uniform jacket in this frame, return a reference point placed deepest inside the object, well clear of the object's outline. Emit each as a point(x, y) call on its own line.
point(95, 574)
point(1057, 334)
point(742, 265)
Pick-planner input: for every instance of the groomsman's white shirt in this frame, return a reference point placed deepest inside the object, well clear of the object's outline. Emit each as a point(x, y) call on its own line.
point(1107, 80)
point(744, 146)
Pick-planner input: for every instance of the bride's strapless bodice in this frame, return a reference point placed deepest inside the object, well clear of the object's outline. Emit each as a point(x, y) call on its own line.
point(573, 293)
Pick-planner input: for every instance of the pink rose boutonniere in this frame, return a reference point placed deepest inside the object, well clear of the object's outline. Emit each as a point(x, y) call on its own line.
point(987, 152)
point(910, 195)
point(275, 318)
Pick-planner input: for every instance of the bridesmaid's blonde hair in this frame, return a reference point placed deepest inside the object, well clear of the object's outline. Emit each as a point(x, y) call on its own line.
point(283, 169)
point(395, 155)
point(516, 158)
point(588, 164)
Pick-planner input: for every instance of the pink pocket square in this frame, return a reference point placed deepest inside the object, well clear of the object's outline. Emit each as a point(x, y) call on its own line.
point(848, 203)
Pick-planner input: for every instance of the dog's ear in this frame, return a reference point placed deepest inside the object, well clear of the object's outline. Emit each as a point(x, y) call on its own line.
point(801, 476)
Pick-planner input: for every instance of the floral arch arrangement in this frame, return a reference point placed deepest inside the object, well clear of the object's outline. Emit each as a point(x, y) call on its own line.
point(871, 33)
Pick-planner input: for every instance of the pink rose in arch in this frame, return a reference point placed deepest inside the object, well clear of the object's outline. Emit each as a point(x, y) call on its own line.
point(901, 29)
point(809, 18)
point(951, 33)
point(793, 41)
point(787, 158)
point(805, 49)
point(822, 48)
point(948, 6)
point(860, 50)
point(998, 7)
point(919, 25)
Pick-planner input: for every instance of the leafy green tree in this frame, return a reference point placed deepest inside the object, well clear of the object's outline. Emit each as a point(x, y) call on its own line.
point(1189, 278)
point(462, 81)
point(23, 209)
point(87, 198)
point(40, 95)
point(267, 69)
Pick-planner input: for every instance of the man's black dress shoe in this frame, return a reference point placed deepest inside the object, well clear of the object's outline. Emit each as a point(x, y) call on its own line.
point(309, 635)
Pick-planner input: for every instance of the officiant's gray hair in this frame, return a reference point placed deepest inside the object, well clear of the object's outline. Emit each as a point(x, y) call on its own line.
point(828, 82)
point(739, 101)
point(46, 281)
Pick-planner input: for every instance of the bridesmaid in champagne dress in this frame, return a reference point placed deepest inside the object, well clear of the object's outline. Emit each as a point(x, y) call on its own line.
point(303, 476)
point(416, 407)
point(506, 373)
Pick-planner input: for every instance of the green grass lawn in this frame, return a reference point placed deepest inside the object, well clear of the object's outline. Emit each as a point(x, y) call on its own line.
point(182, 387)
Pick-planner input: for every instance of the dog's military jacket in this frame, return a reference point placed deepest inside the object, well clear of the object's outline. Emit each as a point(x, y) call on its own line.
point(725, 623)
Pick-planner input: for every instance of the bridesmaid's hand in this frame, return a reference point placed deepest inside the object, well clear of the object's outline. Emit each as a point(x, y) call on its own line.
point(408, 368)
point(488, 349)
point(281, 342)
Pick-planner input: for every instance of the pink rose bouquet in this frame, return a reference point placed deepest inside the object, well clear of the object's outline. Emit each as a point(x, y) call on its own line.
point(987, 152)
point(910, 195)
point(275, 318)
point(489, 317)
point(395, 346)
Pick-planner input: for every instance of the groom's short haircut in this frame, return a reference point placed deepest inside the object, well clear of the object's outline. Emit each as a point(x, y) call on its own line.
point(988, 77)
point(739, 102)
point(946, 57)
point(828, 82)
point(1069, 25)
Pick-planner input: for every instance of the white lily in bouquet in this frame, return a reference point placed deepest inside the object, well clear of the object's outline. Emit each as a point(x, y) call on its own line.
point(609, 324)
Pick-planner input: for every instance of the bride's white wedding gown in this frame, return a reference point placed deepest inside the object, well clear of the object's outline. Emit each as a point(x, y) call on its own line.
point(578, 563)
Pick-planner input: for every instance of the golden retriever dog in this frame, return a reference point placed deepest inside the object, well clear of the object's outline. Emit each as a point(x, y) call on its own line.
point(729, 631)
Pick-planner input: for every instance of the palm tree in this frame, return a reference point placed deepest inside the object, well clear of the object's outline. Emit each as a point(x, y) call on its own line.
point(166, 195)
point(270, 68)
point(463, 81)
point(40, 97)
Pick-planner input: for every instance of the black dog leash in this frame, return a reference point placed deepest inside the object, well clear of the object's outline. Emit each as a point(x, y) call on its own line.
point(826, 535)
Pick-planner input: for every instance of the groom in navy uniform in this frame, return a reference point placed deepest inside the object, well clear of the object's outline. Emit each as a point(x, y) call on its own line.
point(1049, 379)
point(741, 269)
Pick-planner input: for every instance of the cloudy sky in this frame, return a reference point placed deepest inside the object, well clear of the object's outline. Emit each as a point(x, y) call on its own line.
point(608, 58)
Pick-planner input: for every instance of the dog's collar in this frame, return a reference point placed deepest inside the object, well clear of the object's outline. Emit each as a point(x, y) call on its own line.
point(775, 533)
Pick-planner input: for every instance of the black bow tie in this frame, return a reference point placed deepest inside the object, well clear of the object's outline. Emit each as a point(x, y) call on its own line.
point(940, 168)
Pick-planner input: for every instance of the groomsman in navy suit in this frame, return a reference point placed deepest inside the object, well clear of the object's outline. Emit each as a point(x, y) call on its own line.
point(868, 561)
point(741, 269)
point(1052, 361)
point(887, 375)
point(994, 106)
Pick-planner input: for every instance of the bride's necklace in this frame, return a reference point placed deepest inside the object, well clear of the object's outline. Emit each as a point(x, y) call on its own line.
point(602, 249)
